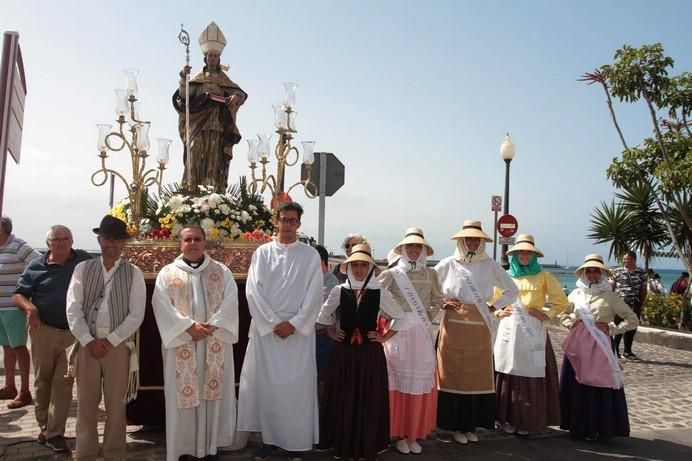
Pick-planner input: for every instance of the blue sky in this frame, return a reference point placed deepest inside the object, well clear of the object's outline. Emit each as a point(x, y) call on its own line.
point(413, 97)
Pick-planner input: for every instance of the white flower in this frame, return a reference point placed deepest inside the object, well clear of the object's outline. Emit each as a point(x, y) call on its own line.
point(175, 230)
point(176, 203)
point(224, 209)
point(252, 207)
point(206, 224)
point(244, 216)
point(214, 200)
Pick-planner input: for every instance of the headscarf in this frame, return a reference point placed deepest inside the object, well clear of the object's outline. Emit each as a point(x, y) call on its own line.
point(463, 254)
point(352, 283)
point(594, 288)
point(518, 270)
point(408, 265)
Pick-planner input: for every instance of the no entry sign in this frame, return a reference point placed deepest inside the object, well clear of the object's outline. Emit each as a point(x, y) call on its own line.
point(507, 225)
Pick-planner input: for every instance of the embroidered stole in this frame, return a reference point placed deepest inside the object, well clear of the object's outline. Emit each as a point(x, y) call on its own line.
point(186, 368)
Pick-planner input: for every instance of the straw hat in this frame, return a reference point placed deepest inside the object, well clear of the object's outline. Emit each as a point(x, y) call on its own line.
point(525, 242)
point(414, 235)
point(472, 228)
point(212, 39)
point(360, 252)
point(592, 260)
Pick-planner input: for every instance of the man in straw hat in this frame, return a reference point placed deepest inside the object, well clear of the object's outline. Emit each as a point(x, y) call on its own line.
point(411, 354)
point(592, 396)
point(465, 355)
point(214, 102)
point(105, 307)
point(278, 383)
point(196, 308)
point(526, 381)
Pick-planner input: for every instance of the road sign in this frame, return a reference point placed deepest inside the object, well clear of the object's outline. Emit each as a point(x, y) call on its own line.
point(506, 240)
point(507, 225)
point(335, 172)
point(495, 203)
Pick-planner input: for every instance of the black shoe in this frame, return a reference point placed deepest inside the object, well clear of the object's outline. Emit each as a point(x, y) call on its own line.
point(57, 444)
point(295, 455)
point(630, 356)
point(263, 452)
point(41, 439)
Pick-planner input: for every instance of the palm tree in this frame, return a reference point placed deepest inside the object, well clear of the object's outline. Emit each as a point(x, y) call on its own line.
point(611, 223)
point(648, 231)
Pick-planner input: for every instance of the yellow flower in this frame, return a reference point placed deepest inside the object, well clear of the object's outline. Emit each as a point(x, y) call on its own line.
point(167, 221)
point(119, 212)
point(213, 233)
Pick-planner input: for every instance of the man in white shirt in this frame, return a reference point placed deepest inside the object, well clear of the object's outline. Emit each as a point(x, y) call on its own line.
point(196, 309)
point(278, 383)
point(105, 307)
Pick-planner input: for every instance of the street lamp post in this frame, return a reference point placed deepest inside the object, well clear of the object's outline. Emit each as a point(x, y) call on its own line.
point(507, 151)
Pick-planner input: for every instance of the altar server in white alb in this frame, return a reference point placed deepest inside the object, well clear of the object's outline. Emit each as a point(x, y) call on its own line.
point(196, 309)
point(278, 384)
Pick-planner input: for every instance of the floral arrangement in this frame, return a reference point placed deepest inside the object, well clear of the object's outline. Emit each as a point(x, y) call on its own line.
point(235, 214)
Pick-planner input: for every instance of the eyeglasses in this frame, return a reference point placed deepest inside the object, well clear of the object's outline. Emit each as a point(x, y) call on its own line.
point(292, 221)
point(60, 240)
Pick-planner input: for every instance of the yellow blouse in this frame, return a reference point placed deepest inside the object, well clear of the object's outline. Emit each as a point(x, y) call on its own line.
point(533, 290)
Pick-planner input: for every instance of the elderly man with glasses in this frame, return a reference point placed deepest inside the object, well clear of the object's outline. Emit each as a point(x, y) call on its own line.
point(40, 293)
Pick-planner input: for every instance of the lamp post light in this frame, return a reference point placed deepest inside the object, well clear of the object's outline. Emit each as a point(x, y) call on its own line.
point(136, 142)
point(259, 150)
point(507, 151)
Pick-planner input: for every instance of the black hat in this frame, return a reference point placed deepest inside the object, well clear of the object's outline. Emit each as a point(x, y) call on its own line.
point(112, 227)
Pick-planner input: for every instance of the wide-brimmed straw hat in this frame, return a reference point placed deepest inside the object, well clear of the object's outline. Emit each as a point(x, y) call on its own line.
point(360, 252)
point(525, 242)
point(592, 260)
point(414, 235)
point(472, 228)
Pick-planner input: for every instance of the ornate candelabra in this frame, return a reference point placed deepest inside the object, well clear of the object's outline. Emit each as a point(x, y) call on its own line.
point(132, 134)
point(286, 155)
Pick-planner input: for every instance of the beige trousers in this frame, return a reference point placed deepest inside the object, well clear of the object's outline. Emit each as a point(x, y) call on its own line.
point(109, 373)
point(53, 390)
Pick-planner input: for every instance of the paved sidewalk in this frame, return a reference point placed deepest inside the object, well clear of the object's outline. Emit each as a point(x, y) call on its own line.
point(659, 395)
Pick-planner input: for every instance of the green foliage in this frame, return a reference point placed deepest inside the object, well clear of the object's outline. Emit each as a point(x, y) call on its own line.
point(611, 223)
point(663, 162)
point(639, 72)
point(664, 311)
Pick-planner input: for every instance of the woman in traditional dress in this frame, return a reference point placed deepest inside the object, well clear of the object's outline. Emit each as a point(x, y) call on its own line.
point(411, 353)
point(465, 357)
point(591, 390)
point(526, 380)
point(356, 405)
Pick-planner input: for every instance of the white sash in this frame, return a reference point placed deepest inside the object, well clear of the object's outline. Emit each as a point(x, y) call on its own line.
point(475, 293)
point(600, 337)
point(520, 346)
point(413, 299)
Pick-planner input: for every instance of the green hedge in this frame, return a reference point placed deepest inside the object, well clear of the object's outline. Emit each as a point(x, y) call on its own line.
point(664, 311)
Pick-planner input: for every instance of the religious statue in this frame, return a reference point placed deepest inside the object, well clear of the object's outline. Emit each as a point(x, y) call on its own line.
point(207, 105)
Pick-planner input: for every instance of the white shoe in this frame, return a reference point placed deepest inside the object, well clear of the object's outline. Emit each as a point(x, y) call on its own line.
point(522, 432)
point(416, 449)
point(471, 436)
point(461, 438)
point(509, 429)
point(402, 447)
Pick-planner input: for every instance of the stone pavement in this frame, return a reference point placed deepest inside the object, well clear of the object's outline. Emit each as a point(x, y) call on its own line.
point(659, 396)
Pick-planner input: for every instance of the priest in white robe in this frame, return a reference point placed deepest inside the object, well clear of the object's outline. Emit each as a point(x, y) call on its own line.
point(278, 383)
point(196, 308)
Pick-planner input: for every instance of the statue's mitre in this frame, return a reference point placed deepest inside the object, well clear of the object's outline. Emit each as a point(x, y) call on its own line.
point(212, 39)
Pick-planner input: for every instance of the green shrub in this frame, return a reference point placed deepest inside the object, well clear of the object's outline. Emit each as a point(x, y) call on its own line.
point(664, 311)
